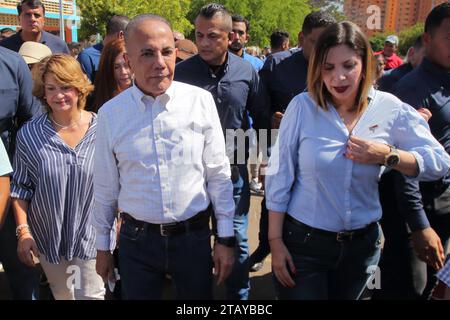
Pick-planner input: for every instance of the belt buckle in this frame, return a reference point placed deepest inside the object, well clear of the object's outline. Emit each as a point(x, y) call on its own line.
point(344, 236)
point(162, 231)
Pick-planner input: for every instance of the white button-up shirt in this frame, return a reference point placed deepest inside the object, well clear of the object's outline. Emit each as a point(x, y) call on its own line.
point(161, 160)
point(311, 179)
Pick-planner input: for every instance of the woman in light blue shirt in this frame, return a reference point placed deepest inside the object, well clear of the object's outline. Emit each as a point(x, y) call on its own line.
point(322, 185)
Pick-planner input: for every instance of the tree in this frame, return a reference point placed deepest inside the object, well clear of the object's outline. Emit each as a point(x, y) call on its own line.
point(377, 40)
point(408, 37)
point(333, 7)
point(95, 13)
point(264, 16)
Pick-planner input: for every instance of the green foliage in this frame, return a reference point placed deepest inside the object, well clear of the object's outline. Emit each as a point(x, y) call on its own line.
point(377, 40)
point(333, 7)
point(265, 16)
point(408, 37)
point(95, 13)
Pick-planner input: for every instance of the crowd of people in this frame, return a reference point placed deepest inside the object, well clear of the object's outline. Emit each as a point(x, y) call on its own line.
point(127, 158)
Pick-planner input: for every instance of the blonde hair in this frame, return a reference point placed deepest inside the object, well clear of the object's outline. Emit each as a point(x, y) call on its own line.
point(342, 33)
point(67, 71)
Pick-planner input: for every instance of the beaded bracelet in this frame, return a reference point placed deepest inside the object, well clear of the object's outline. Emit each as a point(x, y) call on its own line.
point(21, 227)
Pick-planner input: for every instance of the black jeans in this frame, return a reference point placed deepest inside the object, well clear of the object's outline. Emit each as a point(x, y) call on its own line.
point(145, 257)
point(327, 268)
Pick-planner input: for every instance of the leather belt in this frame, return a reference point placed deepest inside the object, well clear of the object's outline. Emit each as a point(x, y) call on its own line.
point(341, 236)
point(199, 221)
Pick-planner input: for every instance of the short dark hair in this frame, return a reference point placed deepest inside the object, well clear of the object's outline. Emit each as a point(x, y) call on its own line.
point(418, 43)
point(4, 30)
point(277, 38)
point(33, 4)
point(239, 18)
point(317, 19)
point(74, 45)
point(436, 16)
point(210, 10)
point(116, 24)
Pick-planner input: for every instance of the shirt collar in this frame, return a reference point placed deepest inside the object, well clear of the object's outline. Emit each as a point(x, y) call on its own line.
point(225, 67)
point(436, 72)
point(163, 99)
point(43, 39)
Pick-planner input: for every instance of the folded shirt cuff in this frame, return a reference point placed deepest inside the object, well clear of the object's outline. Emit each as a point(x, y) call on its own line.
point(276, 207)
point(225, 228)
point(420, 164)
point(417, 220)
point(102, 242)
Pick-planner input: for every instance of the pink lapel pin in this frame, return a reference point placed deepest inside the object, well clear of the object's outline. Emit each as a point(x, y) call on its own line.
point(372, 128)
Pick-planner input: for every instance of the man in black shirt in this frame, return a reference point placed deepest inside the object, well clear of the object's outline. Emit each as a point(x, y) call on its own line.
point(234, 84)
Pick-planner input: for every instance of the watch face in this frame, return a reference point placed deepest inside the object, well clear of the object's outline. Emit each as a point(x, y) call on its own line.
point(392, 160)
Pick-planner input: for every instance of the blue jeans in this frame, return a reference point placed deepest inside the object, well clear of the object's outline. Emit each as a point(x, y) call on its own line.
point(145, 257)
point(23, 280)
point(238, 283)
point(326, 268)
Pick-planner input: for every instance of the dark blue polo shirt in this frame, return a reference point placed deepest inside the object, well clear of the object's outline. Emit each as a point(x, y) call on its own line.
point(428, 86)
point(17, 102)
point(235, 90)
point(55, 44)
point(89, 59)
point(392, 76)
point(284, 76)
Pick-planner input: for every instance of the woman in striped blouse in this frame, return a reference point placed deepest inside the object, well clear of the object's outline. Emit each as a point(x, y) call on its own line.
point(52, 182)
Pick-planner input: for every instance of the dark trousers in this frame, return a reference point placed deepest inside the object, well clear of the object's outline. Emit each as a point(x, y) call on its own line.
point(145, 257)
point(403, 275)
point(327, 268)
point(264, 228)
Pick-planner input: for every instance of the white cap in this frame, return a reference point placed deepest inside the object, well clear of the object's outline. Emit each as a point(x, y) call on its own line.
point(33, 52)
point(392, 39)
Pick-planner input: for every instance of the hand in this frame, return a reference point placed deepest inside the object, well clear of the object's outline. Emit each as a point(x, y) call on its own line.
point(281, 258)
point(428, 247)
point(425, 113)
point(223, 258)
point(366, 151)
point(26, 248)
point(105, 266)
point(276, 120)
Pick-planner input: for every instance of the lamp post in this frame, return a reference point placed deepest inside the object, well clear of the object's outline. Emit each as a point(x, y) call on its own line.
point(61, 22)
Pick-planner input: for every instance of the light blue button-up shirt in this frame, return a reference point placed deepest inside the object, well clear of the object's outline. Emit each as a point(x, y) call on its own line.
point(310, 178)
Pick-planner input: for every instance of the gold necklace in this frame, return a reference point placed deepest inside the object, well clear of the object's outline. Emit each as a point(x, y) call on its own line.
point(66, 127)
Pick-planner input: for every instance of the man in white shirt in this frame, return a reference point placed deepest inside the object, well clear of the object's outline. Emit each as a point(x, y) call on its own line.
point(160, 159)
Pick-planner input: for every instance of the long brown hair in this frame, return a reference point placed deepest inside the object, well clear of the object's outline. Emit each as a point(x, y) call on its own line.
point(105, 83)
point(349, 34)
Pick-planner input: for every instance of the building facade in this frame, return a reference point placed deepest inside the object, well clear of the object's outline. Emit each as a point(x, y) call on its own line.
point(388, 15)
point(8, 17)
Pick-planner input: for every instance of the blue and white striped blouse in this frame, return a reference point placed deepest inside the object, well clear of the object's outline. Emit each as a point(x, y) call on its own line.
point(58, 183)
